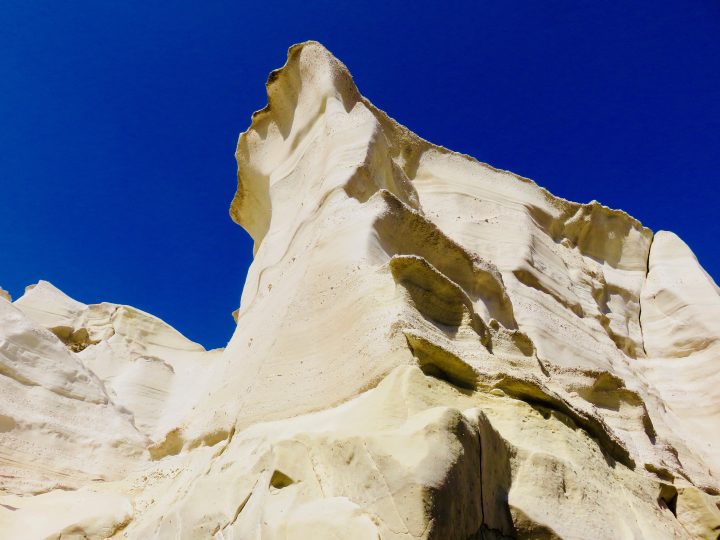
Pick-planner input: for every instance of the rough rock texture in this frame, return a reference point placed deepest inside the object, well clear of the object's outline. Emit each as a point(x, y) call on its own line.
point(427, 347)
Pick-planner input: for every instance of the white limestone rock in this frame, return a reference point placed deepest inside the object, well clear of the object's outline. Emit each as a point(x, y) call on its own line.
point(59, 428)
point(426, 347)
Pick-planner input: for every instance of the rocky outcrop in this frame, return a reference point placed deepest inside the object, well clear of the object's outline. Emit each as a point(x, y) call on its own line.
point(426, 347)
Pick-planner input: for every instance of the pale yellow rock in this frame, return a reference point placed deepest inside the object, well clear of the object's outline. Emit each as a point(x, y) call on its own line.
point(59, 428)
point(426, 348)
point(147, 367)
point(681, 325)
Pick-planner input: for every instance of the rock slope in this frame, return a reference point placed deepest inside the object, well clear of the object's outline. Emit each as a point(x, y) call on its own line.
point(427, 347)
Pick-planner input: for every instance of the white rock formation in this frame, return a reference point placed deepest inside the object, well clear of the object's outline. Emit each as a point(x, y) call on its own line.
point(427, 347)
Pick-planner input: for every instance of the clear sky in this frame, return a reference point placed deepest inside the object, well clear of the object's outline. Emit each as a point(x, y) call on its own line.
point(118, 123)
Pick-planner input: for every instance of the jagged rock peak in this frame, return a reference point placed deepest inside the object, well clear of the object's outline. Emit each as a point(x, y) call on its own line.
point(299, 94)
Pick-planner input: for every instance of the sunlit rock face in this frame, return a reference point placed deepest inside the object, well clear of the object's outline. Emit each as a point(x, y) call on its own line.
point(426, 347)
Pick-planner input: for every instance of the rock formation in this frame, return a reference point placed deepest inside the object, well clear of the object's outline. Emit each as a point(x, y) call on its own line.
point(426, 347)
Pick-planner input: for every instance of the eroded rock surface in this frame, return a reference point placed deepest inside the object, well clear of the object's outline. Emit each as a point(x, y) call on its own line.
point(427, 347)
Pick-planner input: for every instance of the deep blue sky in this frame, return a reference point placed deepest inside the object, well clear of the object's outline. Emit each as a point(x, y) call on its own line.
point(118, 123)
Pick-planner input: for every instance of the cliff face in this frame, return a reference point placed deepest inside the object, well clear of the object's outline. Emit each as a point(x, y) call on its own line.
point(427, 347)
